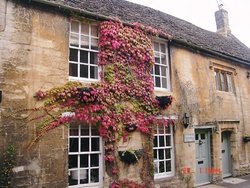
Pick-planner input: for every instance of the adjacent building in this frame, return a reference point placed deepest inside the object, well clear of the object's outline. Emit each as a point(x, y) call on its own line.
point(47, 43)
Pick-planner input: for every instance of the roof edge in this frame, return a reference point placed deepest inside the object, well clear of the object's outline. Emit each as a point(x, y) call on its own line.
point(212, 52)
point(179, 41)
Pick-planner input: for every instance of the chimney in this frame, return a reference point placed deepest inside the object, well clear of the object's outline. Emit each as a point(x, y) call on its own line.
point(222, 23)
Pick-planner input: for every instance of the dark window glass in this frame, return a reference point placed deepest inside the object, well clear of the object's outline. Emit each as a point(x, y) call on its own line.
point(72, 161)
point(73, 144)
point(84, 144)
point(84, 56)
point(84, 71)
point(84, 160)
point(73, 69)
point(73, 55)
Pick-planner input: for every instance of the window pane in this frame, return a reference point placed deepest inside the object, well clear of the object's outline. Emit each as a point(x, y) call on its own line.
point(84, 130)
point(157, 82)
point(84, 160)
point(84, 144)
point(168, 166)
point(94, 132)
point(94, 175)
point(156, 46)
point(164, 71)
point(85, 29)
point(168, 129)
point(84, 71)
point(155, 142)
point(157, 70)
point(73, 55)
point(73, 177)
point(95, 144)
point(84, 176)
point(163, 48)
point(73, 69)
point(93, 58)
point(73, 161)
point(155, 154)
point(73, 131)
point(164, 82)
point(163, 60)
point(161, 167)
point(161, 141)
point(196, 136)
point(168, 153)
point(94, 44)
point(161, 153)
point(157, 60)
point(203, 136)
point(74, 40)
point(230, 82)
point(94, 31)
point(161, 129)
point(84, 42)
point(75, 26)
point(93, 72)
point(94, 160)
point(73, 142)
point(168, 140)
point(156, 165)
point(83, 56)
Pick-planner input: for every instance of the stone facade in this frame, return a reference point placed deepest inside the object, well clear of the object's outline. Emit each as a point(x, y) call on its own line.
point(34, 55)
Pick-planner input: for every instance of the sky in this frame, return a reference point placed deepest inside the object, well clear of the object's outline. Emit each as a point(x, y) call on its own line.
point(201, 13)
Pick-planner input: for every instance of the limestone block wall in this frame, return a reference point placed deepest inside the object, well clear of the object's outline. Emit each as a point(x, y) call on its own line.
point(34, 55)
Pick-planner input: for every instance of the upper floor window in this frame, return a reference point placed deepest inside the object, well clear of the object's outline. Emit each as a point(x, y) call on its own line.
point(160, 71)
point(83, 49)
point(224, 80)
point(163, 152)
point(85, 157)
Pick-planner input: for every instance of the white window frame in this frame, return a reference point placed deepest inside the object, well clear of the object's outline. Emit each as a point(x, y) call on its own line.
point(79, 48)
point(167, 76)
point(165, 174)
point(98, 184)
point(225, 81)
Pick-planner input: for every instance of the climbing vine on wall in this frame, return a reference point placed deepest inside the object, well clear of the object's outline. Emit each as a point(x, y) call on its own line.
point(123, 97)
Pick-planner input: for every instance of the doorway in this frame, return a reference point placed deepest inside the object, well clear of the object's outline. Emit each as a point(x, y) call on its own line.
point(203, 159)
point(226, 154)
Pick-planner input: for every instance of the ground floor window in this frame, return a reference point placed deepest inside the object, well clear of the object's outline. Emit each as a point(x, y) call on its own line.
point(85, 156)
point(163, 152)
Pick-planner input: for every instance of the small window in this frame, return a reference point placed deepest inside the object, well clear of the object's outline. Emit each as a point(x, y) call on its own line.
point(85, 157)
point(163, 152)
point(83, 50)
point(224, 80)
point(160, 71)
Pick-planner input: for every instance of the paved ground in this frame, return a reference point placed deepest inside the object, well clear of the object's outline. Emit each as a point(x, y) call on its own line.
point(239, 182)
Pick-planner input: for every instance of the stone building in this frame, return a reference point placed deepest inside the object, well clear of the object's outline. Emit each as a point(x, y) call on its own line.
point(207, 73)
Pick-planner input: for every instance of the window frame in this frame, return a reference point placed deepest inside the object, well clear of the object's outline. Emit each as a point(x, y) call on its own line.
point(171, 173)
point(224, 80)
point(79, 34)
point(100, 168)
point(167, 65)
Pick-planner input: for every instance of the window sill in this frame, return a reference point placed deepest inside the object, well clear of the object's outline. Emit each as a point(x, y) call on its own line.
point(85, 80)
point(161, 89)
point(161, 179)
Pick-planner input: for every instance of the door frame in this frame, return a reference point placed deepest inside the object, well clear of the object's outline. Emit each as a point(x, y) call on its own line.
point(208, 131)
point(228, 133)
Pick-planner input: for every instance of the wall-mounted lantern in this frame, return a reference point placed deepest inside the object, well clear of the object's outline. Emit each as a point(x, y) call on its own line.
point(248, 75)
point(186, 120)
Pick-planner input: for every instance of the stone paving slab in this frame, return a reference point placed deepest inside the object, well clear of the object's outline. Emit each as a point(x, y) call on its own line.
point(211, 186)
point(234, 180)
